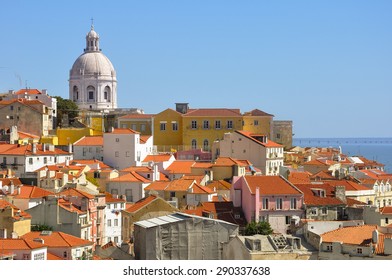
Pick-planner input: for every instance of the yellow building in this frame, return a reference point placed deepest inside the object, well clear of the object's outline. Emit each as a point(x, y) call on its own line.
point(13, 221)
point(70, 135)
point(137, 122)
point(201, 127)
point(168, 131)
point(257, 121)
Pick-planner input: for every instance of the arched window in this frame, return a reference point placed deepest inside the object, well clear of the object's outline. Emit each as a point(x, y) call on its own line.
point(107, 94)
point(205, 145)
point(91, 93)
point(75, 93)
point(194, 144)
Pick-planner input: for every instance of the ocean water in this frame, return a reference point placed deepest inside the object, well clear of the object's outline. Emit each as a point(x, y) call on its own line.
point(379, 149)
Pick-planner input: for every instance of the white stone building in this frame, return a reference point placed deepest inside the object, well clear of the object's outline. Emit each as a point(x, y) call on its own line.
point(88, 147)
point(265, 154)
point(113, 228)
point(124, 147)
point(92, 80)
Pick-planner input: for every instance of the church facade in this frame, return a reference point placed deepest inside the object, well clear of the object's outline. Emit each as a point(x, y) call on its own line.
point(92, 80)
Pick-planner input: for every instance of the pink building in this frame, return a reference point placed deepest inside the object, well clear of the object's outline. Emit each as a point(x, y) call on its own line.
point(268, 198)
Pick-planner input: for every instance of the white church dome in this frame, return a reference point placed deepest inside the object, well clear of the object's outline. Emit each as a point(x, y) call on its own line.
point(92, 63)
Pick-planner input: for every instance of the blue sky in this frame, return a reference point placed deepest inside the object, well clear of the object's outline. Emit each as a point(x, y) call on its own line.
point(326, 65)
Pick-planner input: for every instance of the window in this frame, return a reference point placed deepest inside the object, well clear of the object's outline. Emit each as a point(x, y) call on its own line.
point(329, 248)
point(278, 136)
point(324, 211)
point(313, 211)
point(217, 124)
point(117, 139)
point(116, 222)
point(116, 239)
point(255, 122)
point(174, 126)
point(229, 124)
point(194, 144)
point(206, 124)
point(116, 153)
point(26, 256)
point(288, 220)
point(30, 160)
point(142, 127)
point(11, 108)
point(39, 256)
point(163, 126)
point(15, 160)
point(133, 126)
point(109, 223)
point(386, 221)
point(205, 145)
point(359, 251)
point(129, 196)
point(105, 95)
point(265, 203)
point(279, 203)
point(127, 154)
point(293, 203)
point(45, 160)
point(65, 254)
point(194, 124)
point(90, 95)
point(198, 197)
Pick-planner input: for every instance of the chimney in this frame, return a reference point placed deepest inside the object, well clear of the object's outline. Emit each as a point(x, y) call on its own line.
point(34, 145)
point(70, 148)
point(39, 240)
point(44, 147)
point(340, 193)
point(12, 187)
point(44, 91)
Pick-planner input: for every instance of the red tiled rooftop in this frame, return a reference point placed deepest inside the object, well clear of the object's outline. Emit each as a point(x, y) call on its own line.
point(90, 141)
point(270, 185)
point(28, 192)
point(213, 112)
point(140, 204)
point(57, 239)
point(358, 235)
point(157, 158)
point(180, 167)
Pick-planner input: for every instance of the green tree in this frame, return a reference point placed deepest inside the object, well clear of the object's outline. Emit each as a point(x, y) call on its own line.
point(262, 227)
point(66, 106)
point(40, 227)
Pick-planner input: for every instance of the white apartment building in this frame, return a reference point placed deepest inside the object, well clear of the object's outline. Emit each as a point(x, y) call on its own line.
point(258, 149)
point(124, 147)
point(113, 227)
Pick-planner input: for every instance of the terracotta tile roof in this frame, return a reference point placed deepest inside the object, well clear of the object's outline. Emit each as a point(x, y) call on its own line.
point(70, 207)
point(141, 203)
point(353, 202)
point(323, 175)
point(358, 235)
point(254, 137)
point(76, 192)
point(157, 186)
point(219, 185)
point(197, 178)
point(157, 158)
point(213, 112)
point(271, 185)
point(28, 91)
point(137, 116)
point(180, 167)
point(144, 138)
point(28, 192)
point(299, 178)
point(89, 141)
point(53, 257)
point(228, 161)
point(124, 131)
point(312, 195)
point(24, 135)
point(13, 244)
point(257, 113)
point(197, 189)
point(203, 165)
point(57, 239)
point(18, 214)
point(131, 177)
point(387, 210)
point(16, 149)
point(381, 243)
point(349, 185)
point(146, 169)
point(180, 185)
point(110, 199)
